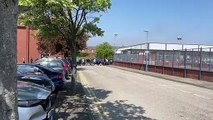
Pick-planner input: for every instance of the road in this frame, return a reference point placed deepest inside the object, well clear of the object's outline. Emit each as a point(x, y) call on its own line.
point(124, 95)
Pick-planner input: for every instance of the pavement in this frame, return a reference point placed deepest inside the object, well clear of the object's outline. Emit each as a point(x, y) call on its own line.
point(76, 103)
point(71, 105)
point(123, 95)
point(198, 83)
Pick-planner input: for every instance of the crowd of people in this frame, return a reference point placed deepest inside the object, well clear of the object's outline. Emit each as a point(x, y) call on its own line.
point(95, 61)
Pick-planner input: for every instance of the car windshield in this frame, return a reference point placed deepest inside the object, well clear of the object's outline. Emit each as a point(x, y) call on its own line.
point(30, 91)
point(52, 64)
point(45, 59)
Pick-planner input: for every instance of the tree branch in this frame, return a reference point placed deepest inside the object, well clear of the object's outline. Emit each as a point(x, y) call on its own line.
point(76, 16)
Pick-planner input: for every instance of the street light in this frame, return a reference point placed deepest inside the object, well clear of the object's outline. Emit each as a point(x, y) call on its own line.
point(115, 36)
point(147, 50)
point(179, 38)
point(147, 35)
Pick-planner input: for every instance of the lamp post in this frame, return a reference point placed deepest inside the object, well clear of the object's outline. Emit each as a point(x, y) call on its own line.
point(147, 50)
point(115, 36)
point(179, 38)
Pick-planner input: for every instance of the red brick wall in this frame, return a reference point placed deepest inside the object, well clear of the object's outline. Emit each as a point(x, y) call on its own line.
point(21, 44)
point(194, 74)
point(180, 72)
point(24, 36)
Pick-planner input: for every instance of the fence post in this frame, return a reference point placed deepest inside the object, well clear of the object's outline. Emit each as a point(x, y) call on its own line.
point(200, 66)
point(185, 63)
point(163, 59)
point(173, 59)
point(138, 58)
point(210, 50)
point(155, 60)
point(192, 65)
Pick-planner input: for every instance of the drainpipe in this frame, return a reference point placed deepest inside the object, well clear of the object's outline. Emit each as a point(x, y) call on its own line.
point(28, 44)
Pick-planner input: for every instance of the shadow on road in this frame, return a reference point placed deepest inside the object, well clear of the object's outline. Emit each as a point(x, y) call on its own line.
point(71, 105)
point(119, 110)
point(101, 94)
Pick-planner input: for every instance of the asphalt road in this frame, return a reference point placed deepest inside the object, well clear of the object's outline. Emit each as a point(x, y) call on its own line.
point(124, 95)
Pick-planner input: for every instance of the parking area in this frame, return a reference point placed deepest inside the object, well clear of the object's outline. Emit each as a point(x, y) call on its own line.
point(50, 89)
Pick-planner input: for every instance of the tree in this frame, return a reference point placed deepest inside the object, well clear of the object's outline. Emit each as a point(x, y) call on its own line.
point(104, 51)
point(58, 45)
point(8, 30)
point(68, 19)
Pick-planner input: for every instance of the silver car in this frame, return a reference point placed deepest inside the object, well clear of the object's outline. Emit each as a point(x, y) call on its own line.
point(34, 102)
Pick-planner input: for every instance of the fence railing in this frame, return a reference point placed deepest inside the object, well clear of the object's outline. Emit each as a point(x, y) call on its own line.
point(198, 59)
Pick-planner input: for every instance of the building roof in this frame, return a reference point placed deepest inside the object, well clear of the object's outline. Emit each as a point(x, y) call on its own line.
point(163, 46)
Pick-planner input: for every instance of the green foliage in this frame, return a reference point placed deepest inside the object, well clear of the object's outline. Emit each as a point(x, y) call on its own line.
point(82, 54)
point(69, 18)
point(65, 19)
point(104, 50)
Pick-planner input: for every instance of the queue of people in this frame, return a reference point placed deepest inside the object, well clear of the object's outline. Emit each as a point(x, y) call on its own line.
point(94, 61)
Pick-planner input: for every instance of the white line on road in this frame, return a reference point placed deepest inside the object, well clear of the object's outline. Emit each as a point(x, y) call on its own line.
point(185, 91)
point(201, 96)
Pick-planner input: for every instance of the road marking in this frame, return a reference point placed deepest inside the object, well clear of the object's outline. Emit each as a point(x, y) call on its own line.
point(164, 85)
point(185, 91)
point(83, 79)
point(96, 107)
point(144, 80)
point(201, 96)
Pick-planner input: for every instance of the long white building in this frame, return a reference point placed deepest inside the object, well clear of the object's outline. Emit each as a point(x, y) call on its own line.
point(163, 46)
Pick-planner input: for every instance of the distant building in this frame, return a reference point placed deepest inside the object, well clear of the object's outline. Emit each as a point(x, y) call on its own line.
point(154, 46)
point(90, 51)
point(184, 60)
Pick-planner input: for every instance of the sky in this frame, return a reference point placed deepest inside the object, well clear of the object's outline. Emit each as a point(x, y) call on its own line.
point(164, 19)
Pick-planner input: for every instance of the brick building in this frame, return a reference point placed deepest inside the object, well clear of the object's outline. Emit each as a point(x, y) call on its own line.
point(26, 45)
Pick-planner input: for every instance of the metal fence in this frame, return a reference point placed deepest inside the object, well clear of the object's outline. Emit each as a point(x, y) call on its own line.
point(199, 59)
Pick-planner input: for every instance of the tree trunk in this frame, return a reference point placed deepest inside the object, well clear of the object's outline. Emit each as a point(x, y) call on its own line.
point(8, 34)
point(74, 64)
point(73, 53)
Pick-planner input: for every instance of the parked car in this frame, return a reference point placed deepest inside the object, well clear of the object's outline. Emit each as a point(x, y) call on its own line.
point(56, 77)
point(56, 64)
point(34, 102)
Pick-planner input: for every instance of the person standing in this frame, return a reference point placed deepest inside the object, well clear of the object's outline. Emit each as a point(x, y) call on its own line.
point(31, 60)
point(23, 61)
